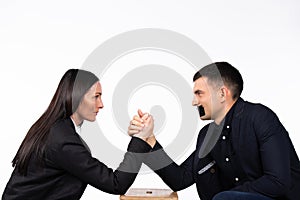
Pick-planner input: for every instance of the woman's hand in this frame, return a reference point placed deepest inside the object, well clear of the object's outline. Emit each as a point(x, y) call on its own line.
point(142, 126)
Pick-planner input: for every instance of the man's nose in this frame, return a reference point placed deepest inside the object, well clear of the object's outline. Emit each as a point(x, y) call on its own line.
point(195, 102)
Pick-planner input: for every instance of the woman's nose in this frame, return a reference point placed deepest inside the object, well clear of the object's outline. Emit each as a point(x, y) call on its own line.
point(100, 103)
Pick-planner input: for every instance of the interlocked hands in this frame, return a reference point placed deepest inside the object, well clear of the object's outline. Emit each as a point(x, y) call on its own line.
point(141, 126)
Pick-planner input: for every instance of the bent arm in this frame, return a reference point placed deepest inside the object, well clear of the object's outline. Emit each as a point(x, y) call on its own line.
point(74, 158)
point(274, 149)
point(177, 177)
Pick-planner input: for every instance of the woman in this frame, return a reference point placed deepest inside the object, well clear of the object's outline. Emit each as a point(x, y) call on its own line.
point(53, 162)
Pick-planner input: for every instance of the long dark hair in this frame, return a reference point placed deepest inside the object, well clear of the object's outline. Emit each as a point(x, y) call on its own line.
point(71, 88)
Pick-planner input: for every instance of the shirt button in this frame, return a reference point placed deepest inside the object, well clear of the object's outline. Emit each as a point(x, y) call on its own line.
point(227, 126)
point(236, 179)
point(224, 137)
point(227, 159)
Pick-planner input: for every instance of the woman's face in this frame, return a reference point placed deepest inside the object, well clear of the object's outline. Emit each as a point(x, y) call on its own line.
point(90, 104)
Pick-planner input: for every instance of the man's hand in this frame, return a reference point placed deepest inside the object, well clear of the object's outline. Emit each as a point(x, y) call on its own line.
point(141, 126)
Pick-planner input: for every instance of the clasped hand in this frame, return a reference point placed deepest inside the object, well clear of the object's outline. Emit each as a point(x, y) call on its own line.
point(141, 126)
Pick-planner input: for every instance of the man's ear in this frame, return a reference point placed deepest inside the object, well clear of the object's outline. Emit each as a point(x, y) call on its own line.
point(223, 93)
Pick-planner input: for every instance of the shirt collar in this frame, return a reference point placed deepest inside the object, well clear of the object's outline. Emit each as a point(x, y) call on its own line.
point(77, 128)
point(226, 122)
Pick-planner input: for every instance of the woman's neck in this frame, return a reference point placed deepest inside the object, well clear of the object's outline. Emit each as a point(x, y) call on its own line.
point(78, 121)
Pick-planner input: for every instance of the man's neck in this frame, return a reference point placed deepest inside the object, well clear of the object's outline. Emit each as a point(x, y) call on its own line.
point(227, 107)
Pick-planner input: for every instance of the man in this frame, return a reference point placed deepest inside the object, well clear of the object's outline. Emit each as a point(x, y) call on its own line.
point(244, 154)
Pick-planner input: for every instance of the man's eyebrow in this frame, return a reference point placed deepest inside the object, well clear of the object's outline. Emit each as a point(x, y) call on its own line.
point(198, 91)
point(99, 93)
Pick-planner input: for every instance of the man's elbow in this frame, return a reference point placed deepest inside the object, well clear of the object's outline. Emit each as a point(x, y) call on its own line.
point(282, 187)
point(279, 187)
point(174, 186)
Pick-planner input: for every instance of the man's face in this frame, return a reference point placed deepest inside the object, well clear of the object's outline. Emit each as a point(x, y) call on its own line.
point(206, 96)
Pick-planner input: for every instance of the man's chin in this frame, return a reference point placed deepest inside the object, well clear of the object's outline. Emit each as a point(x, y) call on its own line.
point(204, 117)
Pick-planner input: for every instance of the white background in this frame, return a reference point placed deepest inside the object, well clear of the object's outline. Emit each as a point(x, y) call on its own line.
point(40, 40)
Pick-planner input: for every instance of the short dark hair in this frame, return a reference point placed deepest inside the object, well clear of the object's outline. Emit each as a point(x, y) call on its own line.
point(225, 73)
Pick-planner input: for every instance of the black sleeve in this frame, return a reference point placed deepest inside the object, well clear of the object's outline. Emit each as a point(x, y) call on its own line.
point(77, 160)
point(177, 177)
point(274, 150)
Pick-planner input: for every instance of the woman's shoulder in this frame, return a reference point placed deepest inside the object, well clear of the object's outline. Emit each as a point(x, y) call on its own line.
point(62, 130)
point(63, 124)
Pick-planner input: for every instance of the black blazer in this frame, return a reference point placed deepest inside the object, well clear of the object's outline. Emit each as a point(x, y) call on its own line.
point(68, 167)
point(262, 158)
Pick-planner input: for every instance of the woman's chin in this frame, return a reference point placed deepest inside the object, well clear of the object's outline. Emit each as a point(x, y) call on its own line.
point(92, 119)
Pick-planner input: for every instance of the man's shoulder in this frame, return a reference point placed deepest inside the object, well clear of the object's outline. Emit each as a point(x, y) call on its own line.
point(255, 113)
point(251, 108)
